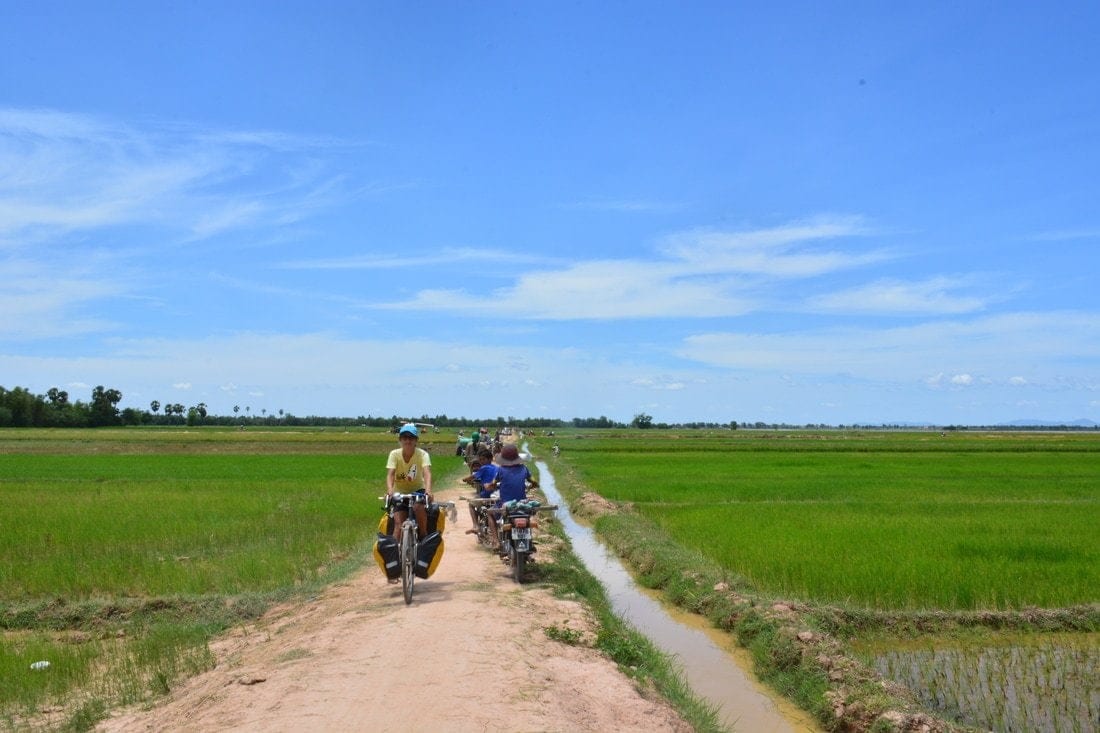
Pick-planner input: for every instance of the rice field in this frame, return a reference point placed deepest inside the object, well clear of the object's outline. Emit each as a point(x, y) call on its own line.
point(897, 521)
point(123, 551)
point(1022, 682)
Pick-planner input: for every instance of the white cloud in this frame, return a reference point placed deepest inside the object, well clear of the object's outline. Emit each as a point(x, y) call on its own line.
point(1017, 381)
point(700, 274)
point(625, 205)
point(444, 256)
point(930, 296)
point(988, 345)
point(664, 383)
point(68, 172)
point(962, 380)
point(44, 299)
point(782, 252)
point(605, 289)
point(1066, 235)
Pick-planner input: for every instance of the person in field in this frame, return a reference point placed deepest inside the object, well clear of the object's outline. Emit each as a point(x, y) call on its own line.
point(409, 471)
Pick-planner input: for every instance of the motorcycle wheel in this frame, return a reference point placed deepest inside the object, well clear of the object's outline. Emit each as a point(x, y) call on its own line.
point(518, 561)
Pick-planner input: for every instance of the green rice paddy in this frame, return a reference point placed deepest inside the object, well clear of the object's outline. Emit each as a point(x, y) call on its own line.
point(123, 551)
point(884, 521)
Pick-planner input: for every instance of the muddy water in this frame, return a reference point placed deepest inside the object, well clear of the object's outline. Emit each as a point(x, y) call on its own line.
point(710, 664)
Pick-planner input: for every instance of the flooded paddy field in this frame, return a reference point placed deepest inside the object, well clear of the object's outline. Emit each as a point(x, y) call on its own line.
point(1017, 682)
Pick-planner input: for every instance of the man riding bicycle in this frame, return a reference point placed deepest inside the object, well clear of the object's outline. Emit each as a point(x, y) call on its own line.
point(409, 471)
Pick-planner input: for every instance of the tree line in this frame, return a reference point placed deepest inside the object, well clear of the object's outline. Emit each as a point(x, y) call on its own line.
point(21, 408)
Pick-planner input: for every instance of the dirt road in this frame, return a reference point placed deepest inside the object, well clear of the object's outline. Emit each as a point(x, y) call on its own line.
point(343, 661)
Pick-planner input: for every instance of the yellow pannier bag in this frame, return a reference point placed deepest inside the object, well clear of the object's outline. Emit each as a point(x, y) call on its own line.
point(437, 518)
point(387, 556)
point(429, 554)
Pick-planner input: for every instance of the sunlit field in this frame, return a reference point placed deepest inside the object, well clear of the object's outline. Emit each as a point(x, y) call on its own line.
point(899, 527)
point(881, 520)
point(122, 551)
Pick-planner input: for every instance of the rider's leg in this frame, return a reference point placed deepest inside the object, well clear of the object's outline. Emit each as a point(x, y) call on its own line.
point(421, 513)
point(494, 530)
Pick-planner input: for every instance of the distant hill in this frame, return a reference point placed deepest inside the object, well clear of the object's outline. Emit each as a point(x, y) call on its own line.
point(1081, 423)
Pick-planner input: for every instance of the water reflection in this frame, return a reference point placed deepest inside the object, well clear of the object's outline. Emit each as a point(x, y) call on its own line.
point(712, 672)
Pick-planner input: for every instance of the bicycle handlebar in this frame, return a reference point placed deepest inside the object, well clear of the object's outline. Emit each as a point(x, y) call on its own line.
point(419, 498)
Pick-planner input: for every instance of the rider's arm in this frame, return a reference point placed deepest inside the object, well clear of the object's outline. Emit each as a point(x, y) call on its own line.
point(428, 481)
point(391, 476)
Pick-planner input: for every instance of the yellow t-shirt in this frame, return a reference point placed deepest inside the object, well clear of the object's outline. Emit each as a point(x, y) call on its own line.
point(408, 477)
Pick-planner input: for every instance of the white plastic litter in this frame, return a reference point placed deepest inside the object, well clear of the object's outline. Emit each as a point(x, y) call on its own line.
point(40, 665)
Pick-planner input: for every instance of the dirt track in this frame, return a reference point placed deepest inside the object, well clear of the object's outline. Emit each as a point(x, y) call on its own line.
point(345, 662)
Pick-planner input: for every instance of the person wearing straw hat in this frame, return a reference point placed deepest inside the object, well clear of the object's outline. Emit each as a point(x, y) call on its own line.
point(513, 476)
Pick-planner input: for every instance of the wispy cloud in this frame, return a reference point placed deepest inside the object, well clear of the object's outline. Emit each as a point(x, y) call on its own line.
point(932, 296)
point(44, 300)
point(1064, 235)
point(594, 290)
point(388, 260)
point(625, 206)
point(67, 172)
point(117, 193)
point(997, 345)
point(694, 274)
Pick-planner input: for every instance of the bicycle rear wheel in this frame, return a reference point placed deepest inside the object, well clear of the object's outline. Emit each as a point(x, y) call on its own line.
point(408, 561)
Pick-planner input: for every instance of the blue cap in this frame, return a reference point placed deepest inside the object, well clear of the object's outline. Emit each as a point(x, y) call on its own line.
point(410, 429)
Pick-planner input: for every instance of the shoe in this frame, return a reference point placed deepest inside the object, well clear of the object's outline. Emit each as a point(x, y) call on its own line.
point(392, 580)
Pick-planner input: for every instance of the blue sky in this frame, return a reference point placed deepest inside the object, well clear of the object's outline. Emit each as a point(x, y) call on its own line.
point(796, 212)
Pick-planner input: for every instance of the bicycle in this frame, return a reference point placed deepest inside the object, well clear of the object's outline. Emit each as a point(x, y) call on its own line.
point(409, 549)
point(482, 519)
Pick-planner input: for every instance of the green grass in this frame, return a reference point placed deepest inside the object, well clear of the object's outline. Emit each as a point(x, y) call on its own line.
point(122, 552)
point(886, 521)
point(92, 526)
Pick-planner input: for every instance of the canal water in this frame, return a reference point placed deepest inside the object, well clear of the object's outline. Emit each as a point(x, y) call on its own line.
point(715, 669)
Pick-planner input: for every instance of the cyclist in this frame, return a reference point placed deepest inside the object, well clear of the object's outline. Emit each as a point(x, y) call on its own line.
point(409, 471)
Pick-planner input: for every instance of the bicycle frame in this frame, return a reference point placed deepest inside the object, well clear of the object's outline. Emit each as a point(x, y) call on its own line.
point(410, 538)
point(409, 548)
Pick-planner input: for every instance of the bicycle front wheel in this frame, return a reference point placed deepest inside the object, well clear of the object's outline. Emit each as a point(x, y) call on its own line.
point(408, 561)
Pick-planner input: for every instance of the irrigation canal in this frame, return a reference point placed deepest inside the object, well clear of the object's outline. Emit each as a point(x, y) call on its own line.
point(707, 657)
